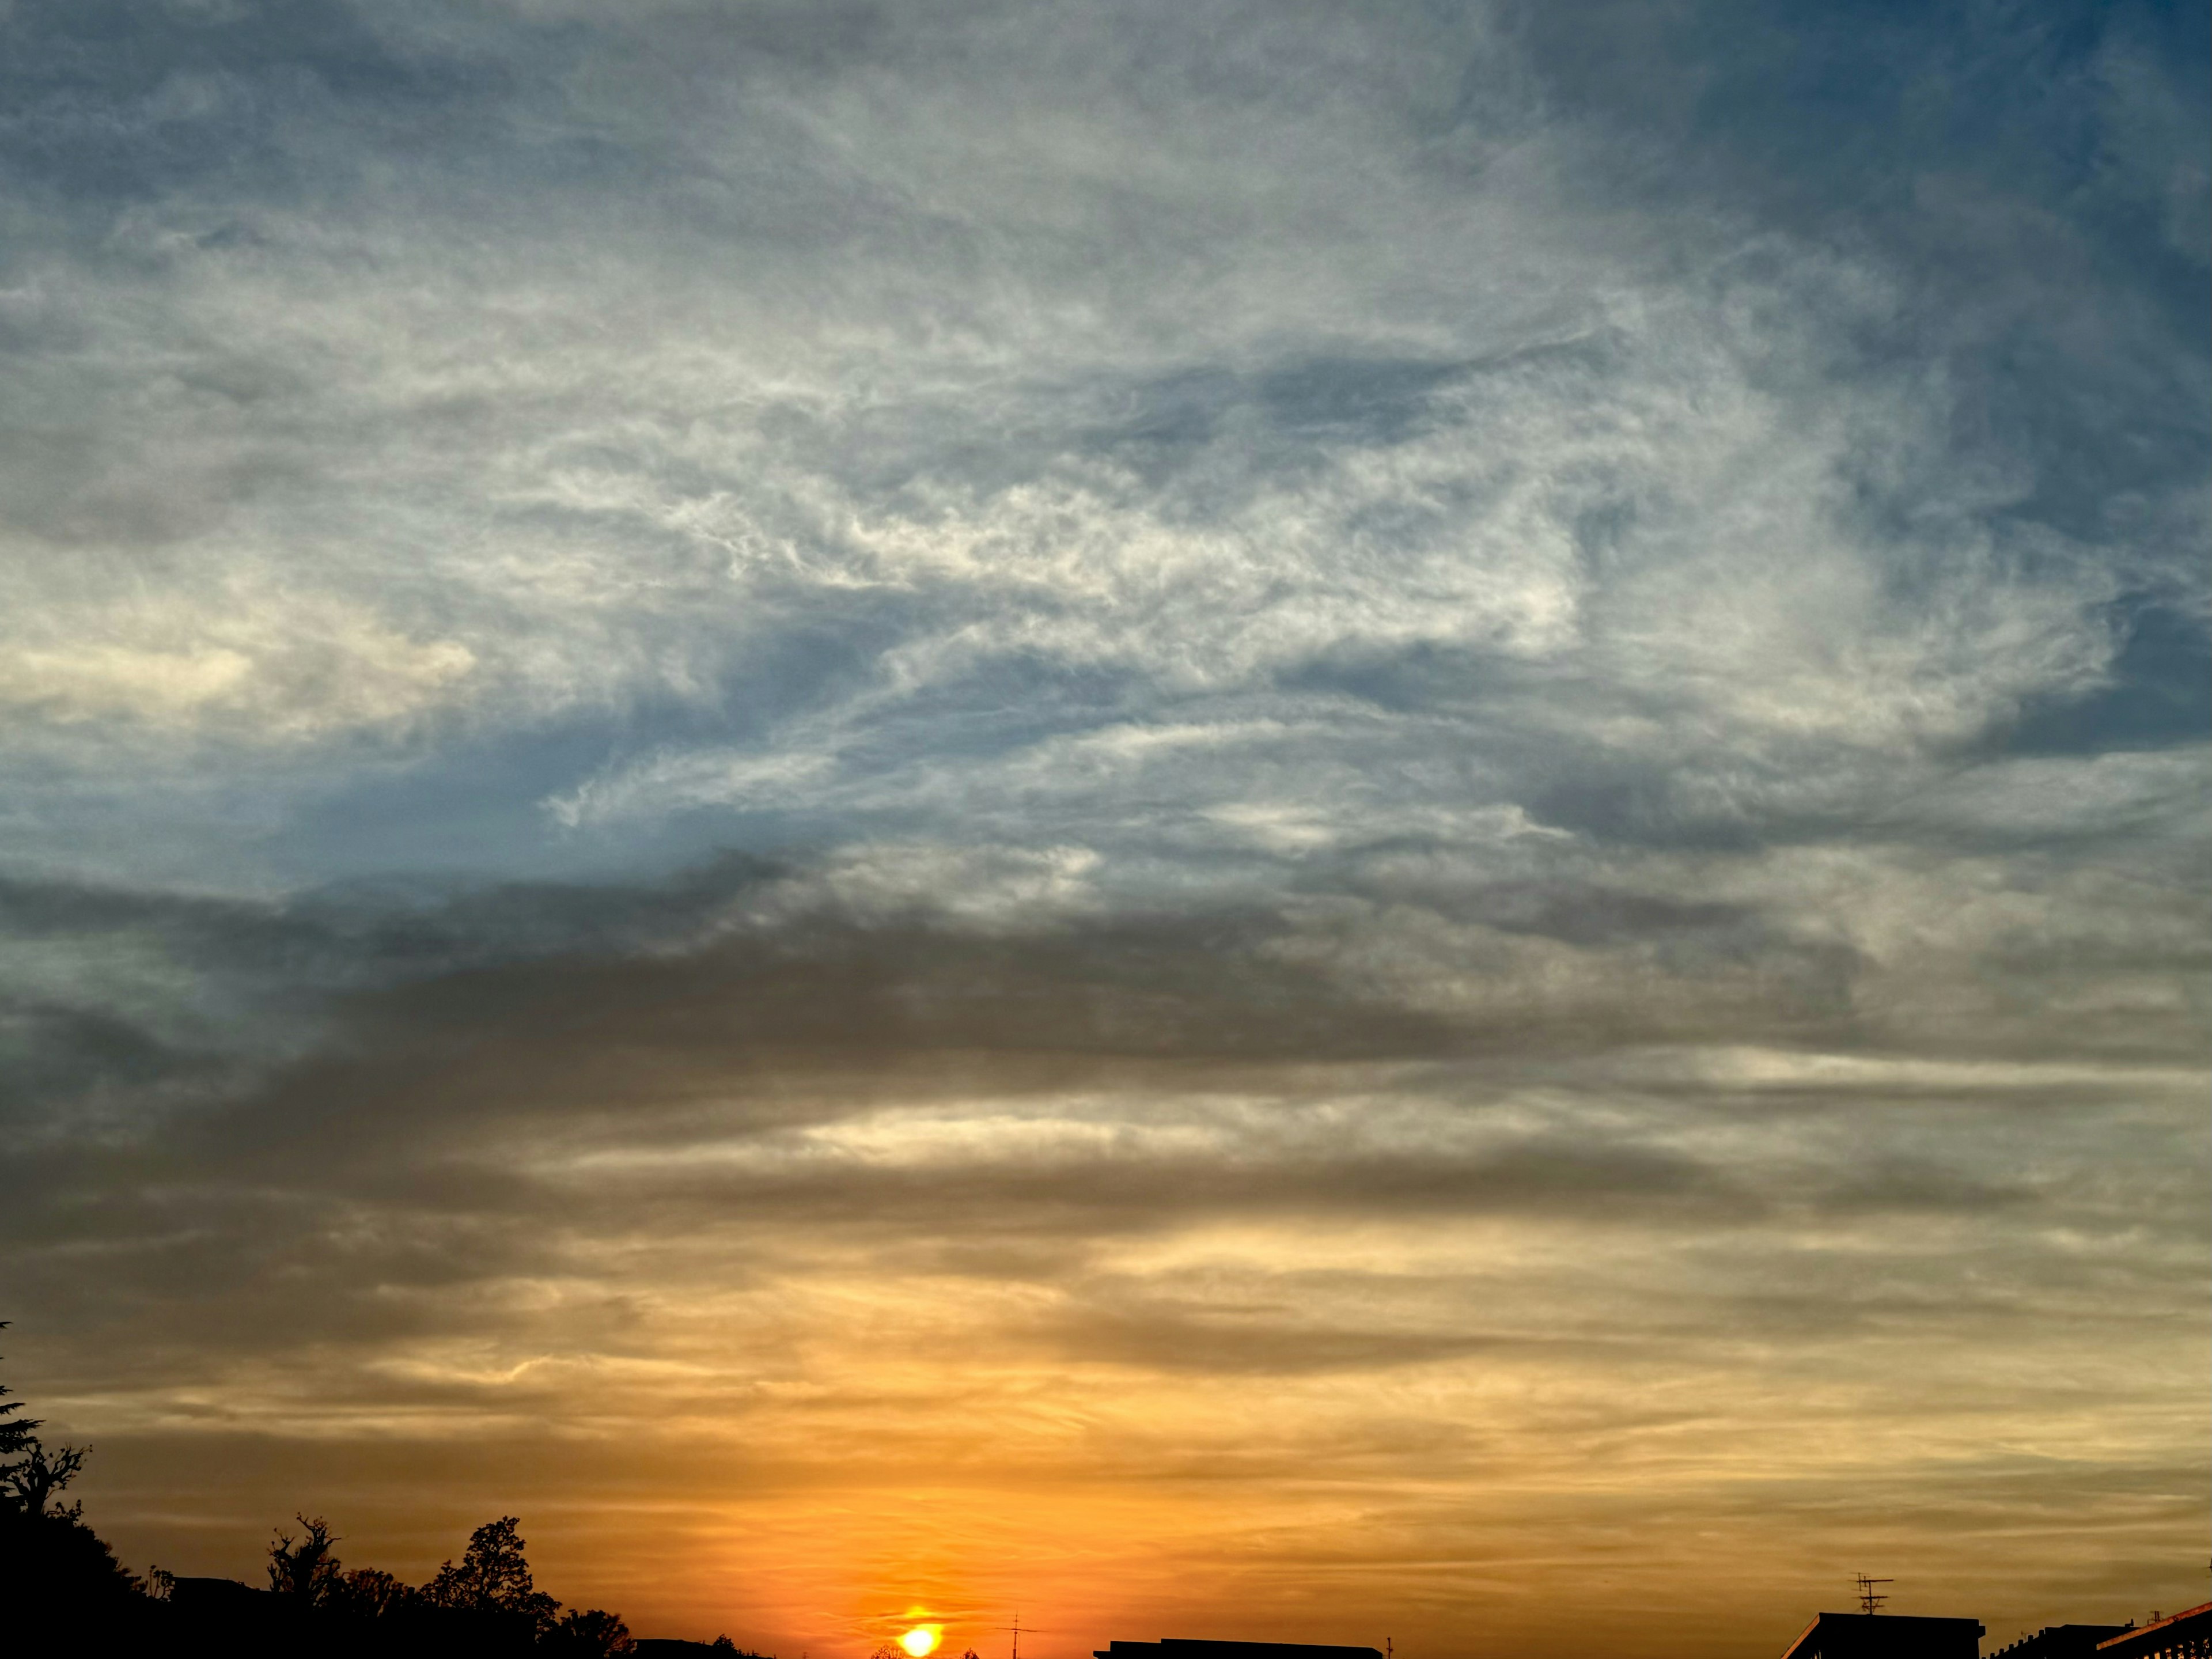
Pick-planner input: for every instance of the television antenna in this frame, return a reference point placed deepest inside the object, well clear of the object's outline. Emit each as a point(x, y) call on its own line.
point(1018, 1627)
point(1870, 1599)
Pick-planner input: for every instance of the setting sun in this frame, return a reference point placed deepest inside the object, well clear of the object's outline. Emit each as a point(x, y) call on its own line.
point(919, 1640)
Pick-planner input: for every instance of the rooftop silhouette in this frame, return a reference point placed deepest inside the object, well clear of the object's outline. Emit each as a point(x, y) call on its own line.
point(1886, 1636)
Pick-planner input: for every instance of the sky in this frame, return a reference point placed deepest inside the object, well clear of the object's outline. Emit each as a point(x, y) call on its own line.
point(1290, 821)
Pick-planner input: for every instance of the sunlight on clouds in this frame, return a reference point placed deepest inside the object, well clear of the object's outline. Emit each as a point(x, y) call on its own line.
point(1729, 585)
point(1132, 1396)
point(264, 666)
point(976, 886)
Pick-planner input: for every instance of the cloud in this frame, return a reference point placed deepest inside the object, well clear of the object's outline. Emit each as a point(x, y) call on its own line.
point(260, 664)
point(801, 1045)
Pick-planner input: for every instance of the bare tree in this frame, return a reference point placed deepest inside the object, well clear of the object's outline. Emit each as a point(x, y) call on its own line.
point(304, 1569)
point(31, 1481)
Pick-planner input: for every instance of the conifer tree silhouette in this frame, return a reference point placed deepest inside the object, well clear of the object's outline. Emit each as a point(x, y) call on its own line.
point(17, 1434)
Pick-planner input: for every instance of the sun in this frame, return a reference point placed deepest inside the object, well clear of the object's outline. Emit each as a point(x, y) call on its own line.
point(920, 1640)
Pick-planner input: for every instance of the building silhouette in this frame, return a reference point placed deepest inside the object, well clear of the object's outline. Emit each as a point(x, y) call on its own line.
point(1886, 1636)
point(2062, 1641)
point(2184, 1636)
point(1176, 1648)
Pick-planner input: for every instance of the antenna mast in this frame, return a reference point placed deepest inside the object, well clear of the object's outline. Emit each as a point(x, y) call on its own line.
point(1870, 1600)
point(1017, 1628)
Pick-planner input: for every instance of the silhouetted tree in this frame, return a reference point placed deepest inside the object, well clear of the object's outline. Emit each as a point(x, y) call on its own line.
point(494, 1576)
point(366, 1593)
point(723, 1644)
point(32, 1480)
point(58, 1559)
point(64, 1589)
point(17, 1434)
point(595, 1634)
point(304, 1570)
point(30, 1475)
point(59, 1581)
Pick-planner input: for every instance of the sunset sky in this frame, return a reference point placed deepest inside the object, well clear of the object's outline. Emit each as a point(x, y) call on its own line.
point(1293, 821)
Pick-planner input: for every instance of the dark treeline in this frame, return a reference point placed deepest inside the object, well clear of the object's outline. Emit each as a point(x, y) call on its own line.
point(66, 1593)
